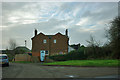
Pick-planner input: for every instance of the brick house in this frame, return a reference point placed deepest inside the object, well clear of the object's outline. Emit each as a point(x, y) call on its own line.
point(51, 44)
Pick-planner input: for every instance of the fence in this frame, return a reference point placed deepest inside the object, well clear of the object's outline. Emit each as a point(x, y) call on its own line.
point(22, 57)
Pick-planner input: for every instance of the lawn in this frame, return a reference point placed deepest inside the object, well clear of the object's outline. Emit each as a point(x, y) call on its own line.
point(89, 63)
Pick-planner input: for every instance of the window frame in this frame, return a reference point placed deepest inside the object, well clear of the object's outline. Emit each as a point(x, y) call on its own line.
point(44, 41)
point(54, 41)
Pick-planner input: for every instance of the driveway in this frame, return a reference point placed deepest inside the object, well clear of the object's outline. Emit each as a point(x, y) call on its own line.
point(35, 70)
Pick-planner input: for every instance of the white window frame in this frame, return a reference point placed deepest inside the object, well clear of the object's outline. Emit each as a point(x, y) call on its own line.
point(54, 41)
point(44, 41)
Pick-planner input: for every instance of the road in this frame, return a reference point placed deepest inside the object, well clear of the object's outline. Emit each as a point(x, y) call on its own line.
point(35, 70)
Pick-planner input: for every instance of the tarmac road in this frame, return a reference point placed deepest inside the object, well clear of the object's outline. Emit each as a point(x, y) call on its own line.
point(35, 70)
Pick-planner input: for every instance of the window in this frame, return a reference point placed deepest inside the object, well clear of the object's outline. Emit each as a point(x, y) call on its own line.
point(46, 53)
point(44, 41)
point(3, 57)
point(54, 40)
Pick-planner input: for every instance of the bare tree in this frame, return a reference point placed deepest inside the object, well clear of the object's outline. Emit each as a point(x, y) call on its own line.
point(93, 48)
point(12, 44)
point(92, 42)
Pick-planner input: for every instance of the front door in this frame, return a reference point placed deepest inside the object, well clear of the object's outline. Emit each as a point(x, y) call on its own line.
point(42, 55)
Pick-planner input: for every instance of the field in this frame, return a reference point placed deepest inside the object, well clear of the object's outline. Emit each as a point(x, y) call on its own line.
point(89, 63)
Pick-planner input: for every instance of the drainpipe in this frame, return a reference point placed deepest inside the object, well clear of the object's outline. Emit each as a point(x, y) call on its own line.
point(49, 46)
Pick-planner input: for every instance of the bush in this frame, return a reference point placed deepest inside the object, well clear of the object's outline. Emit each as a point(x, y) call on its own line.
point(73, 55)
point(58, 57)
point(96, 52)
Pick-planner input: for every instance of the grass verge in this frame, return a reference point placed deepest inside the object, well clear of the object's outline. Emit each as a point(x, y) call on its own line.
point(88, 63)
point(21, 62)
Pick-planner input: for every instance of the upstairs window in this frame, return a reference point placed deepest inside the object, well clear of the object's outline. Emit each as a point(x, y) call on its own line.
point(54, 40)
point(44, 41)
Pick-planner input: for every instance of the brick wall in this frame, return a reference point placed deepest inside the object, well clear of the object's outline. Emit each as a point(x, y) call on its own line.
point(61, 45)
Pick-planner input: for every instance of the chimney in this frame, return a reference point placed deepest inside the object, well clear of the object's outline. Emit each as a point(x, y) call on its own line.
point(66, 32)
point(35, 32)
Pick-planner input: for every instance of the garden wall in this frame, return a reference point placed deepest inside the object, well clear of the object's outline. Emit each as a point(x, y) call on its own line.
point(22, 57)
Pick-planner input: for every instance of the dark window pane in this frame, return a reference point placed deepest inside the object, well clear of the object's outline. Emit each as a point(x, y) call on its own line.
point(46, 52)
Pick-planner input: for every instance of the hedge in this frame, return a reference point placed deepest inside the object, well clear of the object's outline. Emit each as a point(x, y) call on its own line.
point(73, 55)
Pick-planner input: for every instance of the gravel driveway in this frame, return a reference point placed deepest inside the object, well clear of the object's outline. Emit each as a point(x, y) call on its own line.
point(35, 70)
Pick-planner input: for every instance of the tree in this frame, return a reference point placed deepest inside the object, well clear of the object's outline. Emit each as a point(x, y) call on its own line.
point(92, 42)
point(93, 50)
point(12, 44)
point(114, 37)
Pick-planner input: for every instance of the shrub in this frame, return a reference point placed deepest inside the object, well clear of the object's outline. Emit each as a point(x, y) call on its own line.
point(59, 57)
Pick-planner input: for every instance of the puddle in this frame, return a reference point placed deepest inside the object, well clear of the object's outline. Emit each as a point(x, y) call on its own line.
point(71, 76)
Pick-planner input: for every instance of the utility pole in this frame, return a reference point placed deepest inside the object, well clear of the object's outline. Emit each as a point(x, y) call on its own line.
point(25, 43)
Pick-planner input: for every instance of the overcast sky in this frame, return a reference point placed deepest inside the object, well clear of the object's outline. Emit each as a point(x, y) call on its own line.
point(82, 19)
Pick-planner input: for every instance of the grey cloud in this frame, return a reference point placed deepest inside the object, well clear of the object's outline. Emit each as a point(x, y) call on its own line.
point(26, 31)
point(81, 36)
point(23, 8)
point(107, 11)
point(11, 6)
point(20, 32)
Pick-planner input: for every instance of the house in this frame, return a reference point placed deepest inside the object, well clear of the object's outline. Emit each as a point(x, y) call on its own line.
point(51, 44)
point(17, 50)
point(75, 46)
point(21, 50)
point(3, 51)
point(70, 49)
point(6, 51)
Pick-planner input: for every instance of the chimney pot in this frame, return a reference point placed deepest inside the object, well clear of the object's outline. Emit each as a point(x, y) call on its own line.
point(66, 32)
point(35, 32)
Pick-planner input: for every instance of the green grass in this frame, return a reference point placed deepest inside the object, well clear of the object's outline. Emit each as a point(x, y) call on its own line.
point(21, 62)
point(96, 63)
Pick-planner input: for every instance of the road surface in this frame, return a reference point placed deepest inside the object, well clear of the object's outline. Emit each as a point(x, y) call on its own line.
point(35, 70)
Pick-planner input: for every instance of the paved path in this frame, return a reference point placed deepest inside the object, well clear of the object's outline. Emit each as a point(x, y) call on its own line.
point(34, 70)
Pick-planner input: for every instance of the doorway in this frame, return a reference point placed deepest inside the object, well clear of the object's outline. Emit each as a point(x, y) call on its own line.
point(42, 55)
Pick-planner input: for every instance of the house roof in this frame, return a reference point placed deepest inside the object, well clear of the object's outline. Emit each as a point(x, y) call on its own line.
point(5, 51)
point(23, 48)
point(75, 46)
point(50, 35)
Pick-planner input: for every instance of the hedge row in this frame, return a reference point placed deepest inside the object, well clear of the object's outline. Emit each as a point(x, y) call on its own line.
point(73, 55)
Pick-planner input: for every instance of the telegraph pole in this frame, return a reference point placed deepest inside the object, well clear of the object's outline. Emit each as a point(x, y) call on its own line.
point(25, 43)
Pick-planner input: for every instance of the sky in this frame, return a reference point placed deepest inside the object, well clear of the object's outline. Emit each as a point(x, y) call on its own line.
point(82, 19)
